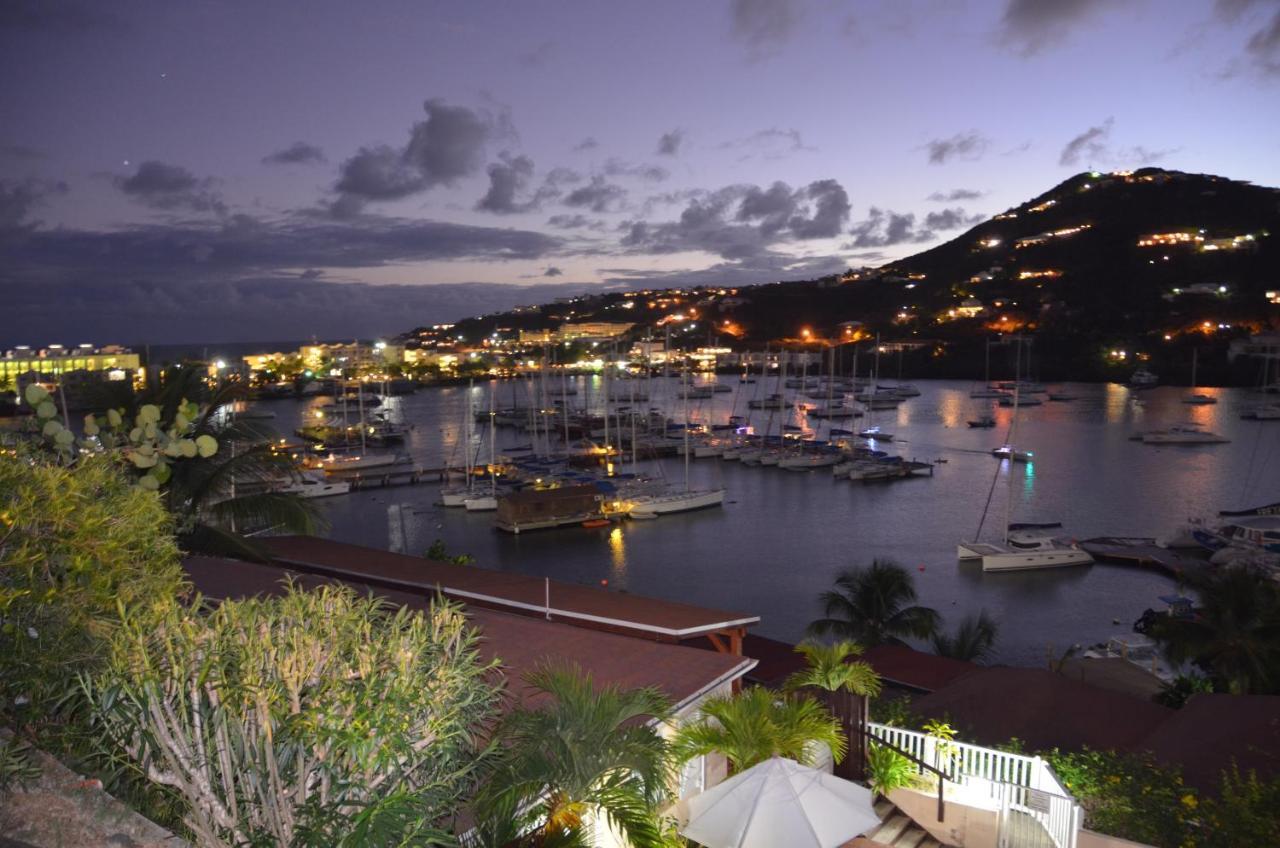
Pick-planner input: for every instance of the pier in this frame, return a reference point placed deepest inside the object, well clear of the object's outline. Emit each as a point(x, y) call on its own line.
point(1144, 553)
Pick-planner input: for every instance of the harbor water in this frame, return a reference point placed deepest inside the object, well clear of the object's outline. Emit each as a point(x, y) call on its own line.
point(781, 537)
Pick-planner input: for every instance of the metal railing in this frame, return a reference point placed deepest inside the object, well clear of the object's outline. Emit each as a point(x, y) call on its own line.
point(1017, 782)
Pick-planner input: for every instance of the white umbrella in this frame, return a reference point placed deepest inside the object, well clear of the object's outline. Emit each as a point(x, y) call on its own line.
point(780, 802)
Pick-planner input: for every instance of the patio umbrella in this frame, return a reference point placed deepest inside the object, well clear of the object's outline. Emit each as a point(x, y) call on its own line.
point(780, 802)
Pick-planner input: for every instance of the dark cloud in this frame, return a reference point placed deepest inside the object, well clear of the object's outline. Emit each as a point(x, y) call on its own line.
point(772, 143)
point(669, 143)
point(298, 153)
point(1262, 49)
point(951, 219)
point(648, 173)
point(575, 222)
point(587, 143)
point(742, 222)
point(57, 16)
point(507, 180)
point(20, 151)
point(1031, 26)
point(538, 56)
point(599, 195)
point(955, 194)
point(553, 271)
point(1090, 145)
point(885, 228)
point(971, 145)
point(448, 145)
point(164, 186)
point(764, 268)
point(764, 26)
point(18, 199)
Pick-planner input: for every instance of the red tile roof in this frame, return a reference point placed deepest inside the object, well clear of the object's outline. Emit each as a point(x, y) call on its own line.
point(903, 666)
point(1043, 709)
point(520, 594)
point(520, 643)
point(1212, 730)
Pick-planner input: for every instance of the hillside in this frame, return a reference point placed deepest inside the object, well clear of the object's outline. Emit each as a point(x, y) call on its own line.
point(1152, 263)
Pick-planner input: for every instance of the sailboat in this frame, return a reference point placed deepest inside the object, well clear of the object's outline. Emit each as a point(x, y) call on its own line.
point(671, 501)
point(987, 390)
point(487, 501)
point(873, 398)
point(1020, 552)
point(1194, 398)
point(457, 496)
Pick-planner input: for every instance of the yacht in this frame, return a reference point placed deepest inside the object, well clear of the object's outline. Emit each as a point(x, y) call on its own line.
point(1010, 452)
point(1143, 379)
point(982, 422)
point(1015, 555)
point(1263, 412)
point(1195, 397)
point(310, 484)
point(480, 502)
point(875, 434)
point(809, 461)
point(360, 462)
point(1023, 400)
point(987, 392)
point(651, 506)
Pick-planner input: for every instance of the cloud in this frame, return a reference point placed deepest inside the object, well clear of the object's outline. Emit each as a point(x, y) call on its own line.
point(507, 179)
point(764, 26)
point(951, 219)
point(447, 146)
point(955, 194)
point(741, 222)
point(1262, 49)
point(970, 146)
point(753, 270)
point(164, 186)
point(587, 143)
point(599, 196)
point(18, 199)
point(649, 173)
point(1090, 144)
point(885, 228)
point(575, 222)
point(20, 151)
point(669, 143)
point(1029, 27)
point(298, 153)
point(772, 143)
point(538, 56)
point(553, 271)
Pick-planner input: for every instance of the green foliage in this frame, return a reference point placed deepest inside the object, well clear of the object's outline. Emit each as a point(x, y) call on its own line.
point(1246, 811)
point(1128, 795)
point(944, 752)
point(756, 724)
point(75, 543)
point(888, 770)
point(1235, 637)
point(973, 641)
point(315, 718)
point(874, 606)
point(1175, 693)
point(832, 669)
point(589, 753)
point(439, 553)
point(17, 764)
point(894, 711)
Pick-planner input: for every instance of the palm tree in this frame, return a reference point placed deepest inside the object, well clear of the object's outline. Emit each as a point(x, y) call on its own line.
point(873, 606)
point(214, 500)
point(1235, 637)
point(756, 724)
point(973, 641)
point(587, 752)
point(833, 669)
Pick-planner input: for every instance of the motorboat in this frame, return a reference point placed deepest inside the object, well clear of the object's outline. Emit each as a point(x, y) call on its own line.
point(1262, 412)
point(1143, 379)
point(333, 464)
point(987, 392)
point(315, 485)
point(1197, 398)
point(1023, 400)
point(875, 434)
point(984, 421)
point(480, 502)
point(1010, 452)
point(809, 461)
point(1062, 397)
point(774, 401)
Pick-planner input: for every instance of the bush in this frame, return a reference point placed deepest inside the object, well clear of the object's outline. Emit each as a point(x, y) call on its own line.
point(888, 770)
point(1245, 812)
point(1128, 795)
point(75, 544)
point(316, 718)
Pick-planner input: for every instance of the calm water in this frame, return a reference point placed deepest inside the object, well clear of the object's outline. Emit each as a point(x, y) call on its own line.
point(782, 536)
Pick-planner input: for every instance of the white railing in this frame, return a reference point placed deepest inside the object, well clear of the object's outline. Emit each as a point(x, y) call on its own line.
point(1005, 776)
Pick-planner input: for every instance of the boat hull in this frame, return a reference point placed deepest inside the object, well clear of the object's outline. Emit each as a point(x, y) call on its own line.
point(685, 502)
point(1029, 560)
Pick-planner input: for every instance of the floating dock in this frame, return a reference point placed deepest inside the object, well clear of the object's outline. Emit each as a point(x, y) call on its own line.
point(1144, 553)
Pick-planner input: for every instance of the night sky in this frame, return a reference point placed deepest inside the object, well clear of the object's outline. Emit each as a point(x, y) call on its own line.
point(218, 171)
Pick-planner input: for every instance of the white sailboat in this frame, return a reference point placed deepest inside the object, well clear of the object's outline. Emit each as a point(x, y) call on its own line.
point(457, 496)
point(1195, 397)
point(487, 501)
point(987, 390)
point(875, 399)
point(666, 503)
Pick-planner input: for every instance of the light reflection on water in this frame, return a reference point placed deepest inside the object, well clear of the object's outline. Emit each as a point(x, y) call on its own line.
point(781, 537)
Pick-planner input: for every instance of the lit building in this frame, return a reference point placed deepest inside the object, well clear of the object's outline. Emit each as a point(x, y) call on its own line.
point(75, 368)
point(590, 330)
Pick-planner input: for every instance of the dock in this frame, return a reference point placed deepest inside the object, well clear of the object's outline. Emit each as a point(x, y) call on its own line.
point(391, 475)
point(1143, 553)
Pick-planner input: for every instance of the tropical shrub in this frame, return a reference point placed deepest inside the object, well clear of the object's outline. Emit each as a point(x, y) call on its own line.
point(832, 668)
point(893, 710)
point(1246, 811)
point(888, 770)
point(76, 543)
point(316, 718)
point(590, 752)
point(874, 606)
point(1128, 795)
point(756, 724)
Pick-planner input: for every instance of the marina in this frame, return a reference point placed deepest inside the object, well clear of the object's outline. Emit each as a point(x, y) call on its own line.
point(780, 534)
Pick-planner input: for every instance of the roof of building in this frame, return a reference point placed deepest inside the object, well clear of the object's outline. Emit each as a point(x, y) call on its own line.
point(902, 666)
point(520, 643)
point(1043, 709)
point(521, 594)
point(776, 661)
point(1211, 731)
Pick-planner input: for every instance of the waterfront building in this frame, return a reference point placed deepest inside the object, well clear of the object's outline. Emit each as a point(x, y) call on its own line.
point(74, 369)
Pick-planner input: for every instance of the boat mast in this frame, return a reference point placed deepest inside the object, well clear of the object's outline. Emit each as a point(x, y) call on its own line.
point(493, 439)
point(1013, 429)
point(686, 428)
point(360, 402)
